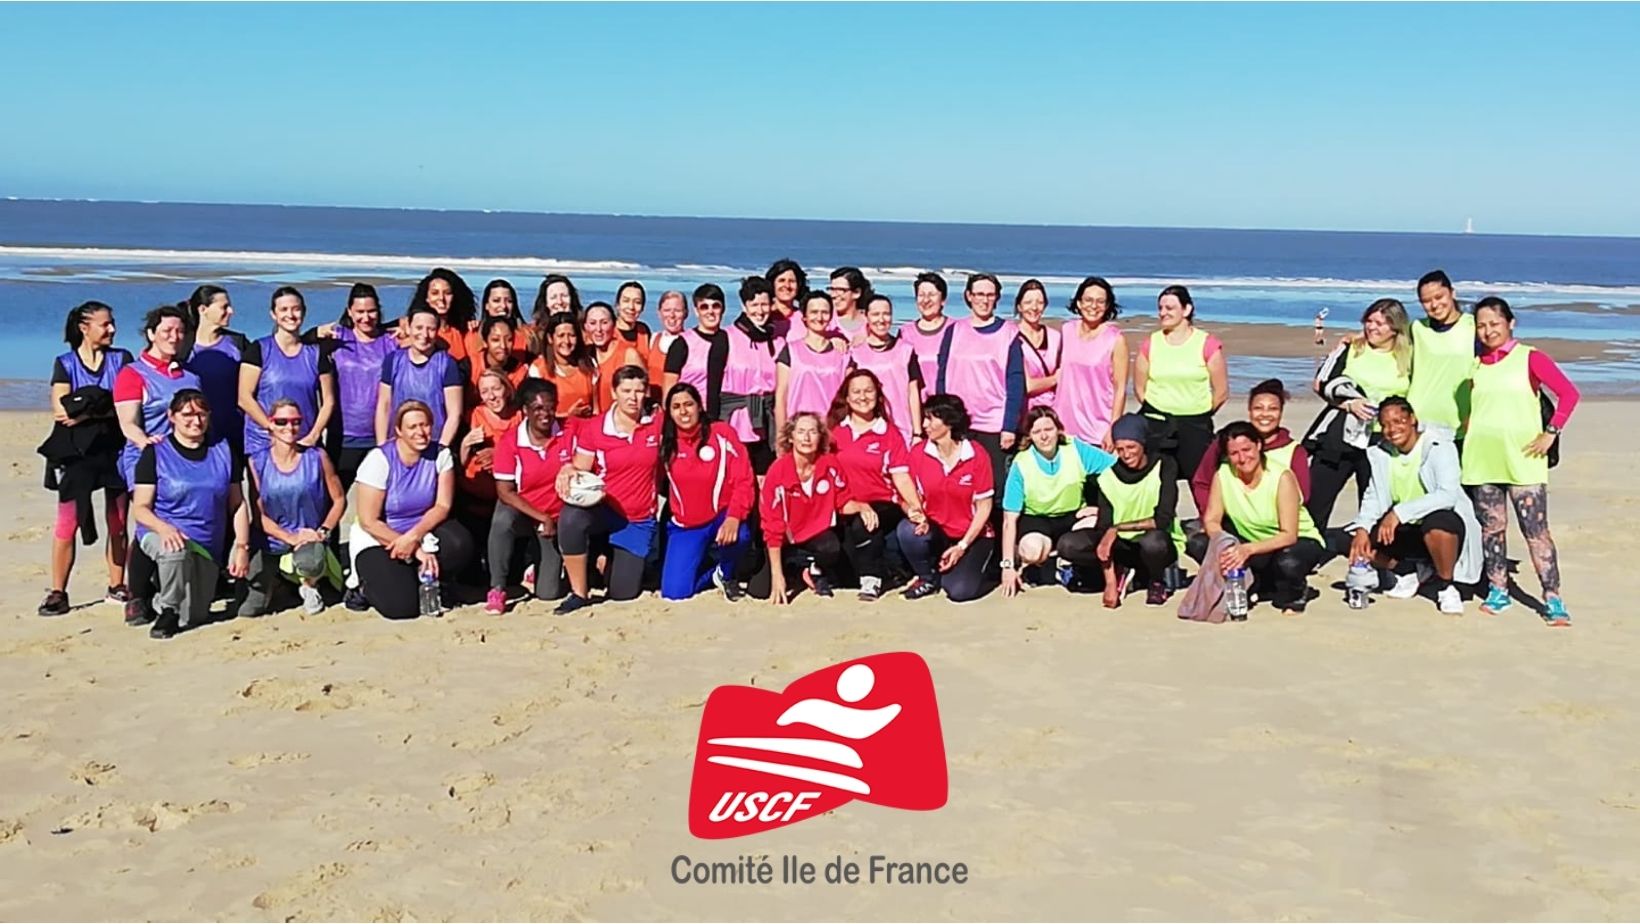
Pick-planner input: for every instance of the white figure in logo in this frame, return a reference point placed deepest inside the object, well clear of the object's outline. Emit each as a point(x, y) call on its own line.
point(853, 684)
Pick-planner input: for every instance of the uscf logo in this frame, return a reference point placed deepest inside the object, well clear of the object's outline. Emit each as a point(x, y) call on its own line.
point(966, 480)
point(866, 729)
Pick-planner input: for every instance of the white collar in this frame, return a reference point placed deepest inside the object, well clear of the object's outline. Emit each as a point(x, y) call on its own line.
point(965, 450)
point(878, 427)
point(609, 426)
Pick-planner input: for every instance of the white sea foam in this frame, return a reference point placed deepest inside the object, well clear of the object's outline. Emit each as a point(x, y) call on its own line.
point(416, 265)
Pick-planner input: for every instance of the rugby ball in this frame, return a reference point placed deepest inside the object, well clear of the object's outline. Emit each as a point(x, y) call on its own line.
point(585, 489)
point(1034, 547)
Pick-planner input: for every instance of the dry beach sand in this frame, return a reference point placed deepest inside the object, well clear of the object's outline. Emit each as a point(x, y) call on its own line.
point(1386, 764)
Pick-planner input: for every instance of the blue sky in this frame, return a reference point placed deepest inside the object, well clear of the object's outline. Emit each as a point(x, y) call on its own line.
point(1392, 116)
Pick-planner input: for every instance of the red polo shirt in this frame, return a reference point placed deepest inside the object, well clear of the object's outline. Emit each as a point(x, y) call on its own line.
point(949, 494)
point(797, 512)
point(709, 475)
point(627, 463)
point(532, 469)
point(869, 458)
point(129, 385)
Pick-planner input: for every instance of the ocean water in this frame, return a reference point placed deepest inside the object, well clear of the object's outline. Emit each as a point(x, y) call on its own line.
point(54, 255)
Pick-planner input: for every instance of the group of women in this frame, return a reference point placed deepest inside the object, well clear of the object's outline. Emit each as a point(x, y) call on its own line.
point(811, 442)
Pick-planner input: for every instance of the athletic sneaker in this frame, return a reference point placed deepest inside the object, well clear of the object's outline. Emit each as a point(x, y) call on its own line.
point(1124, 577)
point(1405, 587)
point(871, 588)
point(729, 587)
point(529, 578)
point(1066, 575)
point(1554, 612)
point(1497, 601)
point(495, 602)
point(55, 604)
point(137, 613)
point(354, 600)
point(817, 580)
point(312, 603)
point(1157, 594)
point(1449, 601)
point(165, 626)
point(920, 588)
point(119, 595)
point(571, 603)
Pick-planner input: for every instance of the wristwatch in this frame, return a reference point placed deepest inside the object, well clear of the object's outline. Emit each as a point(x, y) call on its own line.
point(962, 544)
point(324, 532)
point(1007, 564)
point(1552, 430)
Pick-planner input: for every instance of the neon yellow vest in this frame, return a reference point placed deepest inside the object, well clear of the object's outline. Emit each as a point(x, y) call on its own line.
point(1051, 495)
point(1255, 512)
point(1441, 367)
point(1282, 456)
point(1137, 501)
point(1404, 483)
point(1178, 382)
point(1378, 374)
point(1504, 418)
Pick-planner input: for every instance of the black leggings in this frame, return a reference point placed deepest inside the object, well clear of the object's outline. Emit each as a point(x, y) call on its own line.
point(579, 526)
point(1147, 554)
point(824, 550)
point(866, 549)
point(992, 444)
point(1327, 480)
point(1184, 438)
point(393, 587)
point(1282, 576)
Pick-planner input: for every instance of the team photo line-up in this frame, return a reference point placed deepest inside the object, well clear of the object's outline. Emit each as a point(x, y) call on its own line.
point(813, 442)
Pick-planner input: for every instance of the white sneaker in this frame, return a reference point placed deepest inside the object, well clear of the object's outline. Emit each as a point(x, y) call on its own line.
point(1449, 601)
point(312, 603)
point(1406, 587)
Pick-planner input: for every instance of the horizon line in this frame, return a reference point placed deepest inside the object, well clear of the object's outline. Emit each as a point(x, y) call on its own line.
point(898, 221)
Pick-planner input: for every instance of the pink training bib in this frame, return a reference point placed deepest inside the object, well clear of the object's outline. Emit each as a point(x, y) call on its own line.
point(813, 378)
point(927, 348)
point(1041, 364)
point(1087, 386)
point(694, 367)
point(978, 373)
point(892, 366)
point(749, 371)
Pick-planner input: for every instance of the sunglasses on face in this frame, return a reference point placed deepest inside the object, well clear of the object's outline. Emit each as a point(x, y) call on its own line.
point(286, 421)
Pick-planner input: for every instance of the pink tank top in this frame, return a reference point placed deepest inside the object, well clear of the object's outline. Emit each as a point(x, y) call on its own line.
point(694, 368)
point(1041, 363)
point(749, 371)
point(813, 378)
point(1086, 389)
point(981, 378)
point(927, 347)
point(892, 368)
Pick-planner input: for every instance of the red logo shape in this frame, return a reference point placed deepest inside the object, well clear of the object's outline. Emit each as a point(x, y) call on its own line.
point(866, 729)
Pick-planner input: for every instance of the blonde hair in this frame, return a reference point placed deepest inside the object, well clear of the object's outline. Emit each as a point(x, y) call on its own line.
point(506, 383)
point(784, 443)
point(1395, 315)
point(411, 406)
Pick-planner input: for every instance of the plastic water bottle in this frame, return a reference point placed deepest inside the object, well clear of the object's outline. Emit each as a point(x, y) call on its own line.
point(428, 602)
point(1359, 583)
point(1235, 593)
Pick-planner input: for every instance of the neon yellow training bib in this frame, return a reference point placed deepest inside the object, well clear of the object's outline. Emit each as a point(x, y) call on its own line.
point(1051, 495)
point(1503, 419)
point(1179, 383)
point(1442, 363)
point(1255, 512)
point(1137, 501)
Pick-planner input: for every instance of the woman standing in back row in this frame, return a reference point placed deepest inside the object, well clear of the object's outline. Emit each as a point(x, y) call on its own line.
point(1093, 372)
point(1505, 454)
point(1181, 379)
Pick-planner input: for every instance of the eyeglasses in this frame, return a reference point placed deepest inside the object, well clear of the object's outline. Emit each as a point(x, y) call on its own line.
point(286, 421)
point(836, 289)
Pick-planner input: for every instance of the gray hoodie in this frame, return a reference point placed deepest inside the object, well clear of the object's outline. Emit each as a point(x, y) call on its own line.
point(1439, 472)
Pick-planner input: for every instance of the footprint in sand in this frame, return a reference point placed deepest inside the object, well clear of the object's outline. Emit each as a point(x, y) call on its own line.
point(311, 696)
point(154, 817)
point(465, 784)
point(305, 891)
point(256, 760)
point(94, 773)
